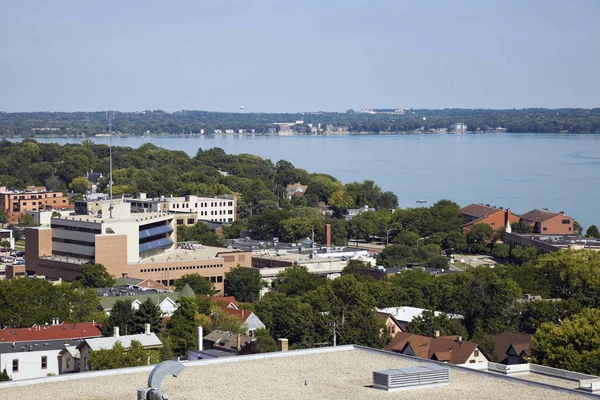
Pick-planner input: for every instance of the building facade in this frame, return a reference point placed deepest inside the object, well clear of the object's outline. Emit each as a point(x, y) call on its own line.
point(143, 245)
point(486, 214)
point(18, 202)
point(218, 209)
point(548, 223)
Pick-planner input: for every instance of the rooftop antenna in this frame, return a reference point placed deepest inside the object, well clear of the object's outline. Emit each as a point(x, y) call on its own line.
point(110, 181)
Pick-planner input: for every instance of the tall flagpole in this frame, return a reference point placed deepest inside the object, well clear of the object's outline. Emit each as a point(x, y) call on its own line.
point(110, 183)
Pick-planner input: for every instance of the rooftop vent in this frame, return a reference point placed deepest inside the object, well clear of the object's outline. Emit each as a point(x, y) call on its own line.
point(411, 378)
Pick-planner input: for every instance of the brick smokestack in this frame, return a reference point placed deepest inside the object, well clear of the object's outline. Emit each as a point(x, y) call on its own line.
point(328, 235)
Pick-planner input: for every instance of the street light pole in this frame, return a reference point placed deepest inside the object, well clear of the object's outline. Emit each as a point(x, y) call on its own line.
point(387, 236)
point(423, 238)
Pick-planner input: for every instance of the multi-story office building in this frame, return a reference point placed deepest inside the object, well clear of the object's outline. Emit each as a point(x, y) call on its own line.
point(143, 245)
point(18, 202)
point(217, 209)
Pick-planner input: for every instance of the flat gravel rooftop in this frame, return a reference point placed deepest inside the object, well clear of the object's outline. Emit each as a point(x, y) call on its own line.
point(345, 373)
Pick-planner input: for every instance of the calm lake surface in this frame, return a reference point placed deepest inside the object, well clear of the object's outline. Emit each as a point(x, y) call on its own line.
point(520, 171)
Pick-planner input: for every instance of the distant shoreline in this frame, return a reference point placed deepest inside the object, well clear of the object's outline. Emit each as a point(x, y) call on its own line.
point(83, 137)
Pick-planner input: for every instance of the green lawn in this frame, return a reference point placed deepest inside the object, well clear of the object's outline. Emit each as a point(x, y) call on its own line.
point(20, 245)
point(461, 265)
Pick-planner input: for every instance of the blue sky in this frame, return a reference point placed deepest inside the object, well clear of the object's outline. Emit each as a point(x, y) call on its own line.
point(280, 56)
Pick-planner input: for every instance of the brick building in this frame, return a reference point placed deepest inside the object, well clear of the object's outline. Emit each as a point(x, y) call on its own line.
point(550, 223)
point(18, 202)
point(141, 245)
point(486, 214)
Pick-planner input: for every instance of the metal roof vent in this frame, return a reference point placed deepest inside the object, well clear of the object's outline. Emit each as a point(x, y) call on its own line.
point(428, 376)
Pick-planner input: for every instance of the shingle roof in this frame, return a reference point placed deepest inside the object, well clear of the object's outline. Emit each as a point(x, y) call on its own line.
point(478, 210)
point(538, 215)
point(445, 348)
point(150, 340)
point(225, 340)
point(502, 341)
point(62, 331)
point(225, 301)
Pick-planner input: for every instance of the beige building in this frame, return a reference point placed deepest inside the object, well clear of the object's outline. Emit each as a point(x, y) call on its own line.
point(218, 209)
point(141, 245)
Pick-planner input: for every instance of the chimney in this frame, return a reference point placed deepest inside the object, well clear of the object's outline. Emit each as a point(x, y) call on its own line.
point(436, 334)
point(239, 342)
point(507, 227)
point(147, 326)
point(282, 344)
point(328, 235)
point(459, 340)
point(200, 339)
point(116, 334)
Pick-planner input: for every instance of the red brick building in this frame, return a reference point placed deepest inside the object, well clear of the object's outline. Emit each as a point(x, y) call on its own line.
point(546, 222)
point(486, 214)
point(18, 202)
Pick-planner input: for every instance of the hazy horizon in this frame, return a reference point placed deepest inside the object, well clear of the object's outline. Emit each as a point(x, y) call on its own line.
point(292, 56)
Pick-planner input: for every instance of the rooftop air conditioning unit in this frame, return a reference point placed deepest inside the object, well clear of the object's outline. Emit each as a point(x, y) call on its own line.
point(428, 376)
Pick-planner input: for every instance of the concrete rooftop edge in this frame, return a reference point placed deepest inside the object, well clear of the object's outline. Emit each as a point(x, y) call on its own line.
point(292, 353)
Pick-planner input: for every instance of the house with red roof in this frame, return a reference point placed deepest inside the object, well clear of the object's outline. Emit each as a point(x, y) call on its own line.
point(449, 349)
point(33, 352)
point(230, 305)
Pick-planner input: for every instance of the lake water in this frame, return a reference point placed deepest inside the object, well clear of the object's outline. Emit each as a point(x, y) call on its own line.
point(520, 171)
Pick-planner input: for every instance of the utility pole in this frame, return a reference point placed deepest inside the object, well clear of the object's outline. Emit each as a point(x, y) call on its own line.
point(110, 182)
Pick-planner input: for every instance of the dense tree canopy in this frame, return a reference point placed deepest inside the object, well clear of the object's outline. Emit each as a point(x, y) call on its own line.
point(94, 276)
point(538, 120)
point(243, 283)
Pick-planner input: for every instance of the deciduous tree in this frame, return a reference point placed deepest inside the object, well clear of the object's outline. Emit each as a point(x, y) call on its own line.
point(243, 283)
point(198, 283)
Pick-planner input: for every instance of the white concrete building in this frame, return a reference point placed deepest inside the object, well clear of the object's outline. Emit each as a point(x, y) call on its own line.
point(42, 218)
point(218, 209)
point(459, 127)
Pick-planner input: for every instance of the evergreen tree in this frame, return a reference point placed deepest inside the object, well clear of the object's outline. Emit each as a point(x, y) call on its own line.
point(182, 326)
point(147, 313)
point(122, 315)
point(4, 376)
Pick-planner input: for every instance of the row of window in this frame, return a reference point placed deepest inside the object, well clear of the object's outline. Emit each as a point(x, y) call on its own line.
point(181, 268)
point(15, 363)
point(71, 241)
point(212, 204)
point(190, 221)
point(40, 202)
point(29, 197)
point(74, 228)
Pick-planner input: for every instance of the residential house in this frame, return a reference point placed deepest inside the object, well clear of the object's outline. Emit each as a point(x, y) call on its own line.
point(148, 340)
point(94, 179)
point(166, 301)
point(448, 349)
point(353, 212)
point(548, 223)
point(404, 314)
point(295, 190)
point(34, 352)
point(392, 326)
point(511, 347)
point(225, 341)
point(486, 214)
point(229, 305)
